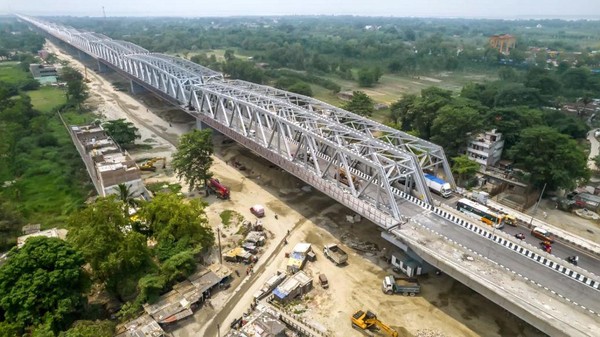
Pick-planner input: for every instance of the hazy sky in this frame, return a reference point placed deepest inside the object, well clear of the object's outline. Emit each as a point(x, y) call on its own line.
point(431, 8)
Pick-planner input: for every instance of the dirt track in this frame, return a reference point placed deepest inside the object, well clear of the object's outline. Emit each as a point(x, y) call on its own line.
point(446, 308)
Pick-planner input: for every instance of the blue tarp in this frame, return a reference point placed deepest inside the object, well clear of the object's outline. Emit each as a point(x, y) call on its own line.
point(277, 292)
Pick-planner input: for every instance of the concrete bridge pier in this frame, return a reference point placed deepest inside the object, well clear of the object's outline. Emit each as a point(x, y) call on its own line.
point(203, 126)
point(136, 88)
point(102, 68)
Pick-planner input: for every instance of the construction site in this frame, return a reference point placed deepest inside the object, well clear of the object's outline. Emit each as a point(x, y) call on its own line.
point(276, 271)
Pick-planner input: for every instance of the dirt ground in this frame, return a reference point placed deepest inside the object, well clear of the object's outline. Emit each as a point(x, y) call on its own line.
point(445, 308)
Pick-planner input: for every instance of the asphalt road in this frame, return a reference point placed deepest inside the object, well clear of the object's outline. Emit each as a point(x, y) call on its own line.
point(545, 276)
point(560, 249)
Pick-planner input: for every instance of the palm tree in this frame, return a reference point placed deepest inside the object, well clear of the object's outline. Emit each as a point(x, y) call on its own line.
point(126, 196)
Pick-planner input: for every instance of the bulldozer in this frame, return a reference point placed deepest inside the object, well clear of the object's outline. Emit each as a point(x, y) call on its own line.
point(342, 177)
point(149, 165)
point(366, 320)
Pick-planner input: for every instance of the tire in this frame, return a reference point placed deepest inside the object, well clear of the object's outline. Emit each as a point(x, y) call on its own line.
point(405, 294)
point(412, 294)
point(389, 292)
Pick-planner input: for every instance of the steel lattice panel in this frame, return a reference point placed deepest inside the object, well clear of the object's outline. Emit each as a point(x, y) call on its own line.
point(373, 162)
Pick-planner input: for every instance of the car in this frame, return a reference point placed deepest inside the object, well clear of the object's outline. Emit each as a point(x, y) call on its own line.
point(258, 211)
point(542, 234)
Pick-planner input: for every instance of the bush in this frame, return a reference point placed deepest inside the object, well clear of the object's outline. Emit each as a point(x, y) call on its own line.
point(47, 140)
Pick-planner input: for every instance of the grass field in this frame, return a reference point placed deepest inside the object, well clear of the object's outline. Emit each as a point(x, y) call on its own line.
point(54, 182)
point(47, 98)
point(11, 73)
point(391, 88)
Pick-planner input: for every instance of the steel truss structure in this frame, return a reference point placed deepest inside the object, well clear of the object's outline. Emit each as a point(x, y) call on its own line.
point(370, 164)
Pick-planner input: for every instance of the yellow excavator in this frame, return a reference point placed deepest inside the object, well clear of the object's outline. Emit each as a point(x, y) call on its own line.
point(149, 165)
point(365, 320)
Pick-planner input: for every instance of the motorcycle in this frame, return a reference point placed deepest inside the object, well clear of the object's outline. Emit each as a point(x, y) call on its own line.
point(573, 259)
point(546, 246)
point(520, 236)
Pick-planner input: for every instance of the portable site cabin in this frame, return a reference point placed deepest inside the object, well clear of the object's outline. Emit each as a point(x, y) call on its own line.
point(295, 286)
point(408, 266)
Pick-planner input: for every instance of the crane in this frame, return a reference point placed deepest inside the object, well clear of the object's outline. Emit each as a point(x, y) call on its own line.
point(367, 320)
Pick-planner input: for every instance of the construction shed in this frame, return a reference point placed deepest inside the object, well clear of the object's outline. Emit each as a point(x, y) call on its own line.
point(295, 286)
point(143, 326)
point(176, 304)
point(238, 254)
point(256, 238)
point(206, 280)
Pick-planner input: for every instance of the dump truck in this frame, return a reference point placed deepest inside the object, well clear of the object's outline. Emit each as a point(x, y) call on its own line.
point(219, 189)
point(438, 185)
point(405, 286)
point(335, 254)
point(365, 320)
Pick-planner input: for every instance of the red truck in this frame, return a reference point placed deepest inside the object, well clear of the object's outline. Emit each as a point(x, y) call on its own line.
point(221, 191)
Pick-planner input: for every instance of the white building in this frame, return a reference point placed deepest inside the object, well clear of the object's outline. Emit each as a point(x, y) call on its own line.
point(486, 148)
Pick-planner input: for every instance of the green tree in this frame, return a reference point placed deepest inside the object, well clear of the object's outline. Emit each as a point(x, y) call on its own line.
point(177, 225)
point(401, 111)
point(367, 77)
point(193, 158)
point(42, 282)
point(301, 88)
point(455, 124)
point(90, 329)
point(464, 168)
point(550, 158)
point(511, 120)
point(76, 88)
point(426, 108)
point(360, 104)
point(122, 131)
point(101, 231)
point(597, 161)
point(229, 55)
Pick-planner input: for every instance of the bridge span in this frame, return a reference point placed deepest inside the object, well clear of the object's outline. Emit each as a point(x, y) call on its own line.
point(372, 169)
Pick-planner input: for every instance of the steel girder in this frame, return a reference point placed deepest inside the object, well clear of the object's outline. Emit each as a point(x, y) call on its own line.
point(326, 148)
point(320, 137)
point(431, 156)
point(176, 79)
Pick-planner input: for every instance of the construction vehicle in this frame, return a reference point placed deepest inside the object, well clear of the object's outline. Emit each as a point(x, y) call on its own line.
point(149, 165)
point(364, 321)
point(335, 254)
point(404, 286)
point(219, 189)
point(343, 178)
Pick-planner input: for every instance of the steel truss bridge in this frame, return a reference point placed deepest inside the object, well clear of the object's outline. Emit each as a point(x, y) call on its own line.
point(373, 169)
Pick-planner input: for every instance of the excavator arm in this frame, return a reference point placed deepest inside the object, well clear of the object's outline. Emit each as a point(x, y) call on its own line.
point(385, 328)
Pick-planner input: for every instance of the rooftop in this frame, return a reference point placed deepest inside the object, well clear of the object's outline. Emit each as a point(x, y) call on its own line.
point(50, 233)
point(143, 326)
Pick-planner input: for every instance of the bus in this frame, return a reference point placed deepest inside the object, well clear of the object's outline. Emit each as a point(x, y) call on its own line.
point(481, 212)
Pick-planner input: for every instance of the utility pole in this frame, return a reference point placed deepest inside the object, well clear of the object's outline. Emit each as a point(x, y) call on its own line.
point(536, 205)
point(218, 330)
point(219, 240)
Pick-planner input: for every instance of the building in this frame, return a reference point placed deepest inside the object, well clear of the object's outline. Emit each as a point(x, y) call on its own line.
point(295, 286)
point(49, 233)
point(263, 322)
point(107, 164)
point(486, 148)
point(143, 326)
point(503, 43)
point(40, 70)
